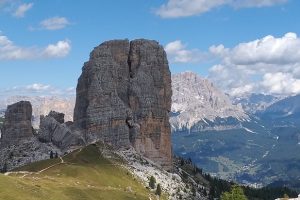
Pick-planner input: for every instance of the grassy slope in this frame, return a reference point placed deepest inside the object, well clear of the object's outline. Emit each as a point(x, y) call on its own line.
point(84, 175)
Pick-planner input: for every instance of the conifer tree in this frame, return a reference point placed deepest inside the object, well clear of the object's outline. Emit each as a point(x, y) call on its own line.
point(158, 190)
point(236, 193)
point(152, 182)
point(51, 154)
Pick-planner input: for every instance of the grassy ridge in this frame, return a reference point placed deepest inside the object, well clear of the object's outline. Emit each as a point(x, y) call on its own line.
point(83, 175)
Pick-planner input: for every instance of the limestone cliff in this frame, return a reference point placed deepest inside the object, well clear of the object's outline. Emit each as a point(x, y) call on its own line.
point(17, 123)
point(124, 98)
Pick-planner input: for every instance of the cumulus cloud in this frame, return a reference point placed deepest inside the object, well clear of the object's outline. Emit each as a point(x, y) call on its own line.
point(10, 51)
point(281, 83)
point(55, 23)
point(178, 53)
point(22, 9)
point(268, 50)
point(268, 65)
point(185, 8)
point(60, 49)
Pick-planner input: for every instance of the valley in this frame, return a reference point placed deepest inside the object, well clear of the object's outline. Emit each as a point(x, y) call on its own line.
point(256, 150)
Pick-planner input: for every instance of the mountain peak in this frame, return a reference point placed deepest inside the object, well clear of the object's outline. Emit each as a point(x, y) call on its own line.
point(196, 98)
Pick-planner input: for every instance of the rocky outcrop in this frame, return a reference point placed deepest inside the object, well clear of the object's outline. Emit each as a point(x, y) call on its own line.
point(124, 97)
point(17, 123)
point(62, 136)
point(28, 151)
point(59, 117)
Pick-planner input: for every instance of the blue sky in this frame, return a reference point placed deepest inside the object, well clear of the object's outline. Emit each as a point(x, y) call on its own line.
point(45, 43)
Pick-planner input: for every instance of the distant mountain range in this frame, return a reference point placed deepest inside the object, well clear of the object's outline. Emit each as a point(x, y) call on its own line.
point(254, 103)
point(42, 106)
point(253, 139)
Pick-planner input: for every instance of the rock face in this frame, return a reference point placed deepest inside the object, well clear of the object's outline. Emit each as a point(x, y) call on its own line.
point(17, 122)
point(59, 117)
point(124, 97)
point(52, 129)
point(196, 99)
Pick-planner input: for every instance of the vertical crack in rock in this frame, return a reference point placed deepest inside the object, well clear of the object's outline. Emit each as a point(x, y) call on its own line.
point(124, 96)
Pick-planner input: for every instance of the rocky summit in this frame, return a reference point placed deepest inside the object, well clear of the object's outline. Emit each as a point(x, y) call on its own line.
point(124, 98)
point(17, 123)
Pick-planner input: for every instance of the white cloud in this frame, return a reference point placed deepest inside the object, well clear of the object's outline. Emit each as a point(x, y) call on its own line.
point(38, 87)
point(268, 65)
point(55, 23)
point(177, 53)
point(185, 8)
point(10, 51)
point(22, 9)
point(60, 49)
point(281, 83)
point(268, 50)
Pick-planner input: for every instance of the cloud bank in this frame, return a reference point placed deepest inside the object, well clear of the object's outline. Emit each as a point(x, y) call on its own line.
point(11, 51)
point(186, 8)
point(268, 65)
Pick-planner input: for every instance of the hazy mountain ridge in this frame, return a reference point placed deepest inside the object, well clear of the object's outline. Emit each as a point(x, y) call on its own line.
point(286, 108)
point(196, 99)
point(254, 103)
point(253, 151)
point(42, 105)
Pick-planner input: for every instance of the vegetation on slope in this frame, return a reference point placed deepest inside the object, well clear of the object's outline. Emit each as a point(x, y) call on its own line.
point(1, 122)
point(83, 174)
point(218, 186)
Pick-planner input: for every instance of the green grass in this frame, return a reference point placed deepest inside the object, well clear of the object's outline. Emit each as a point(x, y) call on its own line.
point(84, 175)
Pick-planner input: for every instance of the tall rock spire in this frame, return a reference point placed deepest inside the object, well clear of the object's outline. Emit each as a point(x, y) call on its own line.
point(124, 98)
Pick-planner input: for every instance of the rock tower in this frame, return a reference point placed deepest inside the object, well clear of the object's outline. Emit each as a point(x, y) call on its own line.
point(124, 98)
point(17, 123)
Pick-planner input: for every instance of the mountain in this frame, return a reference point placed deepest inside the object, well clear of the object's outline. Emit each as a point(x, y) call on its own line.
point(254, 102)
point(284, 112)
point(197, 100)
point(42, 106)
point(250, 147)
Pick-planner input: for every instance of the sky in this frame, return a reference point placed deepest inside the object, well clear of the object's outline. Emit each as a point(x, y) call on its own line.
point(243, 46)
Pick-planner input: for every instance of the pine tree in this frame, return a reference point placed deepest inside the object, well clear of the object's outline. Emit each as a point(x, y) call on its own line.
point(158, 190)
point(4, 168)
point(51, 154)
point(236, 193)
point(152, 182)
